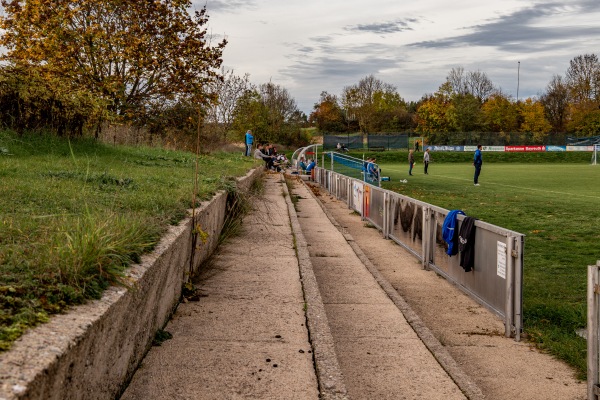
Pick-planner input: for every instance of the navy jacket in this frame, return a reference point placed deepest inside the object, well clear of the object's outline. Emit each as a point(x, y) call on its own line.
point(466, 243)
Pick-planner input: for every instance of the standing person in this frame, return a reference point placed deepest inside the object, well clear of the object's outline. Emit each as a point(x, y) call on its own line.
point(426, 160)
point(411, 161)
point(249, 142)
point(477, 161)
point(416, 145)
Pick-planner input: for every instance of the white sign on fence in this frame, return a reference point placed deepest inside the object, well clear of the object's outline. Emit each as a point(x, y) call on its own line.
point(357, 196)
point(501, 266)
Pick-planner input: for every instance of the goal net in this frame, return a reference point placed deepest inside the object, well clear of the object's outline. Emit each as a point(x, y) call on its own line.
point(595, 154)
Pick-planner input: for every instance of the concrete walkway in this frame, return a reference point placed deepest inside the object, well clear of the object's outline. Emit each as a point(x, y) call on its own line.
point(264, 328)
point(380, 355)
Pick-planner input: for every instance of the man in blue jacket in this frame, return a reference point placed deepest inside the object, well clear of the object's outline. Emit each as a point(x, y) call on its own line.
point(477, 161)
point(249, 142)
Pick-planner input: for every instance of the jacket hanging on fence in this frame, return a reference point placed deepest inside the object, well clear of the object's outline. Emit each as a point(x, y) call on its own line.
point(450, 233)
point(466, 243)
point(418, 224)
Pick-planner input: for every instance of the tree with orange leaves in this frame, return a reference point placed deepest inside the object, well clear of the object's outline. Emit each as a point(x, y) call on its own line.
point(128, 53)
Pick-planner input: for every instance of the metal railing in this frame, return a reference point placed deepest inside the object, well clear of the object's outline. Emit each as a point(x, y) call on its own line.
point(593, 320)
point(497, 279)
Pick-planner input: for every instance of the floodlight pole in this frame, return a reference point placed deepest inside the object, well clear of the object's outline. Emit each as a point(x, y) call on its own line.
point(518, 78)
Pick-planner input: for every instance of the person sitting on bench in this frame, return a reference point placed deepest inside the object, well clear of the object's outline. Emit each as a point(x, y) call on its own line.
point(260, 155)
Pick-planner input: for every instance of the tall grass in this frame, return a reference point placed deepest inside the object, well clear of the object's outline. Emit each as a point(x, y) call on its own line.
point(74, 215)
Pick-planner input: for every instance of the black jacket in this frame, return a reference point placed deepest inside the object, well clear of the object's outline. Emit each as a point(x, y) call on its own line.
point(466, 243)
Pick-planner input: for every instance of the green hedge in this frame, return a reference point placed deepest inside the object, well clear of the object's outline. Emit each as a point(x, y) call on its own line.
point(495, 157)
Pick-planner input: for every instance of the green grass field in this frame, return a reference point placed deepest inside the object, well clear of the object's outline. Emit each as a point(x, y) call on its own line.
point(74, 215)
point(557, 207)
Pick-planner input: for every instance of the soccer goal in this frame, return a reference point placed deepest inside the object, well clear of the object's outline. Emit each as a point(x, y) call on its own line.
point(595, 154)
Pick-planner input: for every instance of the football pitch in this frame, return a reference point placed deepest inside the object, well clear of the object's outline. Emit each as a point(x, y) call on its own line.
point(557, 208)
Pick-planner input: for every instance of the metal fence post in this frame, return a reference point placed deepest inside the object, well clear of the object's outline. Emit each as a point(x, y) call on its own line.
point(518, 268)
point(426, 237)
point(429, 232)
point(592, 331)
point(386, 215)
point(508, 316)
point(350, 192)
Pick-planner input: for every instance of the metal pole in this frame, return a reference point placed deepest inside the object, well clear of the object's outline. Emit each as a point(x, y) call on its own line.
point(518, 78)
point(592, 331)
point(426, 236)
point(386, 215)
point(508, 308)
point(518, 302)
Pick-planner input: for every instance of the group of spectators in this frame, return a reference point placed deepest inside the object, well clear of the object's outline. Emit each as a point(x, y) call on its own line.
point(342, 148)
point(307, 166)
point(267, 153)
point(273, 160)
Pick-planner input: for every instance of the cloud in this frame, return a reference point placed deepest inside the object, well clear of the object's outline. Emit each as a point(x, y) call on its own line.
point(522, 31)
point(337, 69)
point(383, 27)
point(227, 5)
point(321, 39)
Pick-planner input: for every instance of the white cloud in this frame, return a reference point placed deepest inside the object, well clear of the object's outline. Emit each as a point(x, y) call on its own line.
point(311, 46)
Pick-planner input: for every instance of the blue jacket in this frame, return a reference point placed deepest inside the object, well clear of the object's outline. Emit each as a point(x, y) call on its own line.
point(449, 232)
point(249, 138)
point(477, 160)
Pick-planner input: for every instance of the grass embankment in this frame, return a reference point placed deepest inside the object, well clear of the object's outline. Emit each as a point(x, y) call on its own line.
point(74, 214)
point(553, 199)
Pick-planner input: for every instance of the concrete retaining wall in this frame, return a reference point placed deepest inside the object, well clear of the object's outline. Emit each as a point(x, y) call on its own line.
point(92, 352)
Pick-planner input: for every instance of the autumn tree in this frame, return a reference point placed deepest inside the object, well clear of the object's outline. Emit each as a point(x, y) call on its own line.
point(279, 103)
point(534, 120)
point(583, 81)
point(474, 83)
point(327, 114)
point(390, 112)
point(251, 113)
point(499, 114)
point(359, 100)
point(432, 121)
point(376, 106)
point(31, 100)
point(271, 113)
point(132, 54)
point(556, 103)
point(225, 93)
point(464, 113)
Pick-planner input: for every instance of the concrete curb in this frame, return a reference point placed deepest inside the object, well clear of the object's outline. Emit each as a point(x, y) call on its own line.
point(93, 351)
point(329, 375)
point(462, 380)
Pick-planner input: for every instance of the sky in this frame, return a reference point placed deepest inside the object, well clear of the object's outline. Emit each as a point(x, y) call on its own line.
point(312, 46)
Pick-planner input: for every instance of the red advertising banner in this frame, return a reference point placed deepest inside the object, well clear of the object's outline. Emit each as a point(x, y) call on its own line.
point(525, 148)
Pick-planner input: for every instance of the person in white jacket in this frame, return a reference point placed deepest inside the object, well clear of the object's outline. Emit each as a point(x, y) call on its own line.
point(258, 154)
